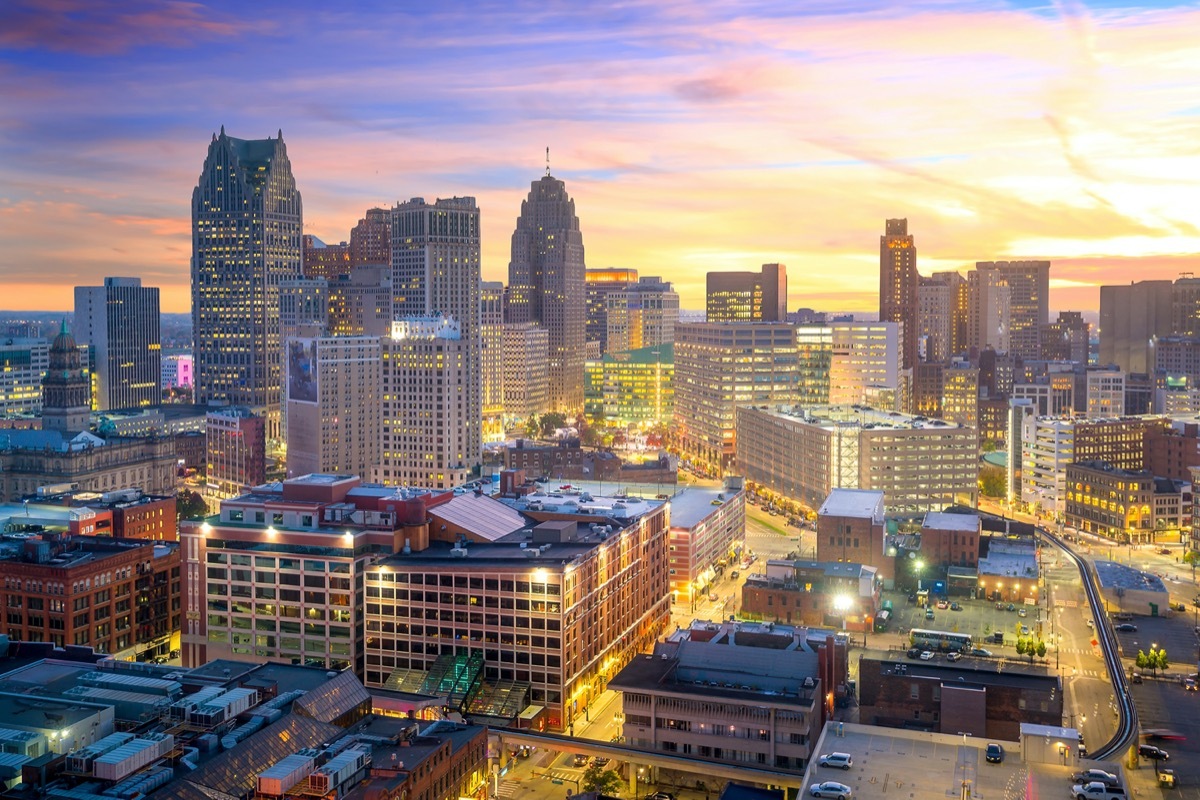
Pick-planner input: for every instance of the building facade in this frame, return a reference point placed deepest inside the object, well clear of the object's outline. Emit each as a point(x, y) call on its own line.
point(119, 321)
point(1125, 506)
point(633, 388)
point(719, 367)
point(1029, 302)
point(235, 451)
point(747, 296)
point(546, 285)
point(23, 365)
point(1105, 394)
point(599, 284)
point(491, 353)
point(247, 221)
point(707, 527)
point(1130, 317)
point(526, 361)
point(899, 282)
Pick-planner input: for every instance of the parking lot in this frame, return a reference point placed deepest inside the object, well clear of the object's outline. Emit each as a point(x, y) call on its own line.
point(980, 618)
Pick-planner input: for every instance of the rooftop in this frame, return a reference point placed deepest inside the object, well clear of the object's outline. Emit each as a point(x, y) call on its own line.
point(1120, 576)
point(484, 516)
point(505, 553)
point(570, 499)
point(981, 671)
point(941, 521)
point(691, 505)
point(858, 416)
point(857, 503)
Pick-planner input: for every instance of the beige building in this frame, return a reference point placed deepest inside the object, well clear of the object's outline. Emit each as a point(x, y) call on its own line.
point(526, 371)
point(336, 425)
point(491, 334)
point(989, 310)
point(920, 465)
point(427, 440)
point(960, 395)
point(1105, 394)
point(720, 366)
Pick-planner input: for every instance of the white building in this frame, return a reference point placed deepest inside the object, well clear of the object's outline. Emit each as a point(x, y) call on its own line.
point(1105, 394)
point(988, 310)
point(177, 371)
point(526, 353)
point(866, 355)
point(23, 364)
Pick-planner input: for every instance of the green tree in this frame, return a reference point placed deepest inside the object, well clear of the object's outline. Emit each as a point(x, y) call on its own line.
point(1161, 661)
point(992, 481)
point(531, 426)
point(1022, 645)
point(1141, 661)
point(989, 446)
point(190, 505)
point(603, 781)
point(552, 421)
point(1041, 649)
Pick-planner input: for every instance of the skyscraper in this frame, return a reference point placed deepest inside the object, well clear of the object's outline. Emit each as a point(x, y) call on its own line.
point(1130, 316)
point(600, 283)
point(546, 285)
point(435, 273)
point(1029, 303)
point(747, 296)
point(491, 305)
point(246, 229)
point(898, 282)
point(120, 322)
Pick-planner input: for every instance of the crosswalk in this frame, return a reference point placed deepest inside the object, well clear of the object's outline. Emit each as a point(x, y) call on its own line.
point(507, 789)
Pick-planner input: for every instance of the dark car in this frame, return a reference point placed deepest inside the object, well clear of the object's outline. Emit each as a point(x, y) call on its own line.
point(914, 652)
point(1153, 753)
point(1126, 627)
point(994, 753)
point(580, 760)
point(956, 607)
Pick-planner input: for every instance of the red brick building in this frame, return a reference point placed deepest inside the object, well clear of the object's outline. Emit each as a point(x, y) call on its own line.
point(950, 540)
point(117, 597)
point(850, 528)
point(1170, 451)
point(813, 593)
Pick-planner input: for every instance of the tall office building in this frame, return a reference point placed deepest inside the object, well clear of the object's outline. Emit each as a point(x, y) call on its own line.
point(989, 312)
point(1066, 339)
point(246, 228)
point(120, 322)
point(898, 285)
point(23, 365)
point(491, 333)
point(747, 296)
point(598, 285)
point(370, 244)
point(1029, 302)
point(435, 274)
point(525, 348)
point(1130, 316)
point(546, 285)
point(431, 430)
point(934, 303)
point(1185, 306)
point(643, 314)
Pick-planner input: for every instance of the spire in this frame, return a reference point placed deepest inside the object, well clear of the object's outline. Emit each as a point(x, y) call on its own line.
point(63, 327)
point(547, 162)
point(280, 134)
point(222, 130)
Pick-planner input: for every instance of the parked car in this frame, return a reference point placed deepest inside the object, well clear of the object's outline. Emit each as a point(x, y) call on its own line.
point(836, 760)
point(735, 575)
point(956, 607)
point(1164, 551)
point(942, 605)
point(1153, 753)
point(1136, 677)
point(1093, 775)
point(1097, 791)
point(994, 753)
point(660, 796)
point(927, 655)
point(838, 791)
point(1091, 624)
point(929, 613)
point(1010, 607)
point(914, 652)
point(953, 656)
point(1024, 630)
point(1022, 612)
point(1127, 627)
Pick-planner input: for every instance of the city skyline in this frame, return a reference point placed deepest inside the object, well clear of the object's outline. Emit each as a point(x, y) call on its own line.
point(746, 135)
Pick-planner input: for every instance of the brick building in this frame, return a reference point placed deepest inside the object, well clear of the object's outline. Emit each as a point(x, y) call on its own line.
point(117, 597)
point(981, 698)
point(850, 529)
point(950, 540)
point(817, 593)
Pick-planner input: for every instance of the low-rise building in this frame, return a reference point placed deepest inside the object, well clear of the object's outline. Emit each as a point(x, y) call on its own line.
point(631, 388)
point(1126, 506)
point(708, 526)
point(850, 529)
point(950, 540)
point(978, 697)
point(734, 693)
point(819, 593)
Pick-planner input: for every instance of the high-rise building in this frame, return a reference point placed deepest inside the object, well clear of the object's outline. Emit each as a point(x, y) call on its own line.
point(643, 314)
point(235, 451)
point(371, 239)
point(866, 357)
point(303, 308)
point(720, 366)
point(960, 394)
point(898, 285)
point(177, 371)
point(935, 300)
point(1067, 338)
point(120, 322)
point(747, 296)
point(324, 261)
point(435, 274)
point(1029, 302)
point(1185, 306)
point(334, 422)
point(23, 365)
point(635, 387)
point(1130, 316)
point(959, 310)
point(431, 430)
point(599, 284)
point(491, 333)
point(989, 311)
point(1105, 393)
point(525, 347)
point(246, 228)
point(546, 285)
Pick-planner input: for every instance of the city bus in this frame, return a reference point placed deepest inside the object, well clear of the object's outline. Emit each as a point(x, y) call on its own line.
point(882, 619)
point(940, 640)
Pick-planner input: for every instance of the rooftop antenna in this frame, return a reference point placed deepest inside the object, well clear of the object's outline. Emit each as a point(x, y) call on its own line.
point(547, 162)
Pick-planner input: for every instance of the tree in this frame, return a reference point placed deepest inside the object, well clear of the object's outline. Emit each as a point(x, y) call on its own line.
point(600, 780)
point(992, 481)
point(1142, 661)
point(532, 427)
point(190, 505)
point(1041, 649)
point(1161, 662)
point(552, 421)
point(1022, 645)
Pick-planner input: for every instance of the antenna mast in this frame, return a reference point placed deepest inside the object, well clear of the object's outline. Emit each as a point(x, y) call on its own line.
point(547, 162)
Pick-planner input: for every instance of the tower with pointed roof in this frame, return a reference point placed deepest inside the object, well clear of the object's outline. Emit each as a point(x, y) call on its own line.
point(546, 284)
point(246, 240)
point(66, 389)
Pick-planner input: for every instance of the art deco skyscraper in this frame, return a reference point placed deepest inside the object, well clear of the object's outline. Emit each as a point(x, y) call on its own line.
point(546, 285)
point(120, 322)
point(898, 282)
point(246, 228)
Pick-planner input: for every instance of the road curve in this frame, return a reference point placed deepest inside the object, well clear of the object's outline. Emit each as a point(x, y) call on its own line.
point(1127, 721)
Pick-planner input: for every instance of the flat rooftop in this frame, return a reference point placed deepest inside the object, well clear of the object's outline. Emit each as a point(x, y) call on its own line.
point(573, 500)
point(941, 521)
point(858, 503)
point(1120, 576)
point(983, 671)
point(508, 553)
point(890, 763)
point(691, 505)
point(861, 417)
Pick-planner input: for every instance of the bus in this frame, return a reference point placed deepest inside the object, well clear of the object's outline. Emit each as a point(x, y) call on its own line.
point(882, 619)
point(940, 640)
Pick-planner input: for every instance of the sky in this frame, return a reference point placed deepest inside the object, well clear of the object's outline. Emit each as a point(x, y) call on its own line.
point(693, 136)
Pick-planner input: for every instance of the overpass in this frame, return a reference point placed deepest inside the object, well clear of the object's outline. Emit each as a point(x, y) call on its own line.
point(753, 773)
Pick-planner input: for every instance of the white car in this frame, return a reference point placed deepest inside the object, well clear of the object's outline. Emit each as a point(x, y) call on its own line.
point(927, 655)
point(838, 791)
point(838, 760)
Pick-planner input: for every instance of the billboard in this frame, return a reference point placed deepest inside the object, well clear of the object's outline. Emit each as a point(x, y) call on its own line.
point(302, 371)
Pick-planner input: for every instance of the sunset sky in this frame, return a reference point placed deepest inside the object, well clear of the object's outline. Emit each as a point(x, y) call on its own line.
point(693, 136)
